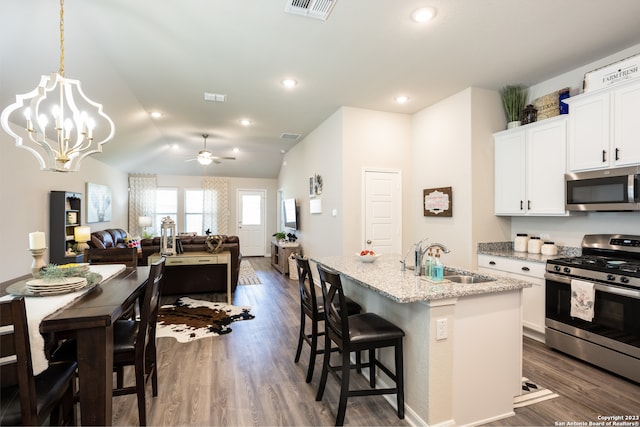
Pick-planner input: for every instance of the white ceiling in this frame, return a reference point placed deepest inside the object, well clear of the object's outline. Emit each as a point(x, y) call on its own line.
point(138, 56)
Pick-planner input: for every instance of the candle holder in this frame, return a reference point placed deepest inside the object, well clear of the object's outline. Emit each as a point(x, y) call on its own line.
point(37, 263)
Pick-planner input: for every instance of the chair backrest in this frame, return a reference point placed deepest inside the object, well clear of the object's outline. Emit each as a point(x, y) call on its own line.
point(15, 353)
point(145, 342)
point(308, 297)
point(335, 306)
point(127, 256)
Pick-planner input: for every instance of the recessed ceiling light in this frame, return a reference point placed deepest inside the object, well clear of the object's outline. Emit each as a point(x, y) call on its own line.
point(424, 14)
point(245, 122)
point(156, 114)
point(289, 83)
point(236, 150)
point(402, 99)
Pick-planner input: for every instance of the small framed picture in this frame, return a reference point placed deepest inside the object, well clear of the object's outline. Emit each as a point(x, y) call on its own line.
point(312, 186)
point(72, 218)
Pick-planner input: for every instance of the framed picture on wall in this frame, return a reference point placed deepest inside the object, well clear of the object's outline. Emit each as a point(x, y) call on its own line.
point(98, 203)
point(312, 186)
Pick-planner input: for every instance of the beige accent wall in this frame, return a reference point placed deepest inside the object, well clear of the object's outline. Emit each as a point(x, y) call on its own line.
point(24, 191)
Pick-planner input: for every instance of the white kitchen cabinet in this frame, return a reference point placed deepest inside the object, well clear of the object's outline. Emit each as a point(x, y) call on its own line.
point(532, 298)
point(530, 163)
point(604, 131)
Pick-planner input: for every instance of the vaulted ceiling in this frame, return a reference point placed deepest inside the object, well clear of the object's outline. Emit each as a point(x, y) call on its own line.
point(140, 56)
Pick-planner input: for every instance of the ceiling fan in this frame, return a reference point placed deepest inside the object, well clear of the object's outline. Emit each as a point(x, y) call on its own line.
point(206, 158)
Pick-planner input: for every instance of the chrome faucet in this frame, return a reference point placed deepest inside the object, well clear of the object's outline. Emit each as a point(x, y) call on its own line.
point(417, 257)
point(442, 247)
point(403, 261)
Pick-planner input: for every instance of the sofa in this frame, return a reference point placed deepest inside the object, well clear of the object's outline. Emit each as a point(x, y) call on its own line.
point(183, 279)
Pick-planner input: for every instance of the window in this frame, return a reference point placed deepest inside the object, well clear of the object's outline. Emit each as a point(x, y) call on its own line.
point(193, 211)
point(166, 205)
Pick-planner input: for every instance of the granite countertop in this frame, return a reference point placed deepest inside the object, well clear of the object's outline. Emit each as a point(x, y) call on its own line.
point(385, 277)
point(505, 250)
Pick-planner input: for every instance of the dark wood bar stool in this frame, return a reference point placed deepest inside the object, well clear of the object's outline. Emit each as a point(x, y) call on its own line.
point(366, 331)
point(311, 306)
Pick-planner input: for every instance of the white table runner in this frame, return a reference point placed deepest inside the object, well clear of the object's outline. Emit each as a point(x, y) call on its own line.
point(38, 308)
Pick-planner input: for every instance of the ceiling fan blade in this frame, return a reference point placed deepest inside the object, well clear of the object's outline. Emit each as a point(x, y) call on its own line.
point(222, 158)
point(191, 160)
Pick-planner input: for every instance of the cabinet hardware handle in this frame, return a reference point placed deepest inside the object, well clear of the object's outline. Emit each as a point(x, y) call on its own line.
point(617, 154)
point(529, 204)
point(521, 205)
point(604, 156)
point(525, 268)
point(492, 263)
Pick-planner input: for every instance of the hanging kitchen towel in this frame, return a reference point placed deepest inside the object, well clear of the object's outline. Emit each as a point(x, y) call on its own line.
point(583, 296)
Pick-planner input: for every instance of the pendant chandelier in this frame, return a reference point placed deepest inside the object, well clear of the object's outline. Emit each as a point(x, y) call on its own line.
point(56, 122)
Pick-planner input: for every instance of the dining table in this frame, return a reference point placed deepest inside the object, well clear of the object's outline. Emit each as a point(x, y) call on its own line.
point(89, 319)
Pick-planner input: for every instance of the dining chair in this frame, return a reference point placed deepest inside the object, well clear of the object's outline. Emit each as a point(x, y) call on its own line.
point(26, 399)
point(359, 332)
point(134, 343)
point(311, 307)
point(126, 256)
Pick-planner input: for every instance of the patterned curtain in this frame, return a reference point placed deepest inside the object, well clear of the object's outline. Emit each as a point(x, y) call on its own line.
point(142, 201)
point(216, 205)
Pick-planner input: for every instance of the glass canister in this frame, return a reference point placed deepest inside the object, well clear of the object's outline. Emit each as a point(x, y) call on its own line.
point(520, 242)
point(549, 248)
point(535, 245)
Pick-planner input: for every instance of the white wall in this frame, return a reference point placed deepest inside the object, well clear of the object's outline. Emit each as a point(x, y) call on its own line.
point(24, 190)
point(349, 141)
point(453, 147)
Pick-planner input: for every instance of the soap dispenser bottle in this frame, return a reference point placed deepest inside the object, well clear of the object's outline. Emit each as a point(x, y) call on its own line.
point(428, 264)
point(437, 269)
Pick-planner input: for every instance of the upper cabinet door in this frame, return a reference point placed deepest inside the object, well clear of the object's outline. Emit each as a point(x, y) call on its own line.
point(626, 126)
point(589, 133)
point(510, 173)
point(546, 166)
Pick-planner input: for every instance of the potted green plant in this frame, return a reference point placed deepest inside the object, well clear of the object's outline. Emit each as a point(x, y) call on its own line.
point(514, 98)
point(280, 235)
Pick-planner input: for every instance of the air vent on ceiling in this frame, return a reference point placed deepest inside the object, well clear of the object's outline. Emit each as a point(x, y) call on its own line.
point(215, 97)
point(290, 136)
point(317, 9)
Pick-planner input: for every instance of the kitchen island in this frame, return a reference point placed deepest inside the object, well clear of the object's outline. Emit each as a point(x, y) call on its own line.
point(463, 342)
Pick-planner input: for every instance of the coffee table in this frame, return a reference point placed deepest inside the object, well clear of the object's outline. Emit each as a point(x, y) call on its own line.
point(198, 258)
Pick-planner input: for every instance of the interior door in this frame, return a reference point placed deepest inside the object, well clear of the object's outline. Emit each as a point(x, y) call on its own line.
point(383, 212)
point(251, 222)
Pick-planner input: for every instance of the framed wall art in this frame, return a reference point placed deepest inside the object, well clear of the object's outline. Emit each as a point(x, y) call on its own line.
point(98, 203)
point(437, 202)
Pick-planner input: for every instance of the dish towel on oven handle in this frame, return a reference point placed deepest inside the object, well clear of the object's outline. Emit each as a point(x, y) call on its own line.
point(583, 296)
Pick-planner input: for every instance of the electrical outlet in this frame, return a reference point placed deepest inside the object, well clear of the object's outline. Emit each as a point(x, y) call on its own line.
point(441, 329)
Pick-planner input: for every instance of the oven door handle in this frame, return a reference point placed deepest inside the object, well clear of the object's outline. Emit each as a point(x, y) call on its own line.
point(598, 287)
point(618, 291)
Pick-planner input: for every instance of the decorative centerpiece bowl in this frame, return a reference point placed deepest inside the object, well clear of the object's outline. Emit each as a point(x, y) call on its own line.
point(367, 256)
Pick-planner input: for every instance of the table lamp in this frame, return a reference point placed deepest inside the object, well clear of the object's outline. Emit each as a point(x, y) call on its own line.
point(144, 222)
point(82, 235)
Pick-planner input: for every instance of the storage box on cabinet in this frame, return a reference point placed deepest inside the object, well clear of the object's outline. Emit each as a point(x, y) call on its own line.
point(530, 163)
point(532, 298)
point(604, 130)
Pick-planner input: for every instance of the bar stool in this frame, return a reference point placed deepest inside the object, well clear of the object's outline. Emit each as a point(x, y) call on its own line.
point(366, 331)
point(311, 306)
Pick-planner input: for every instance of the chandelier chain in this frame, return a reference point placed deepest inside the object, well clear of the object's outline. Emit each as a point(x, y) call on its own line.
point(61, 71)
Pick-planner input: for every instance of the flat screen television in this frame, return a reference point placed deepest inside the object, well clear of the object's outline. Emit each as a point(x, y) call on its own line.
point(290, 214)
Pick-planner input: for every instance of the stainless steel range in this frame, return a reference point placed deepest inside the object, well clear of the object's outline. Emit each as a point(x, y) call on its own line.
point(592, 303)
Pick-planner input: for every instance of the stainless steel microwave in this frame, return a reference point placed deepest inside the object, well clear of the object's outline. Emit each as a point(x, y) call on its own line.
point(607, 190)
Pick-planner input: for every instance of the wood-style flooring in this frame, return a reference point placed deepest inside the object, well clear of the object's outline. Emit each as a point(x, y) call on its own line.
point(249, 378)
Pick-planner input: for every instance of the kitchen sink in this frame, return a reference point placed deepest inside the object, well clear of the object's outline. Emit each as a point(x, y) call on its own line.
point(456, 277)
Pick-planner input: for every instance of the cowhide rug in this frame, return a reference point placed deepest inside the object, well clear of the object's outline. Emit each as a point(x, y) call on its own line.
point(190, 319)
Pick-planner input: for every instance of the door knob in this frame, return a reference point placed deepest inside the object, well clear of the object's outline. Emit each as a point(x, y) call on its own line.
point(368, 242)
